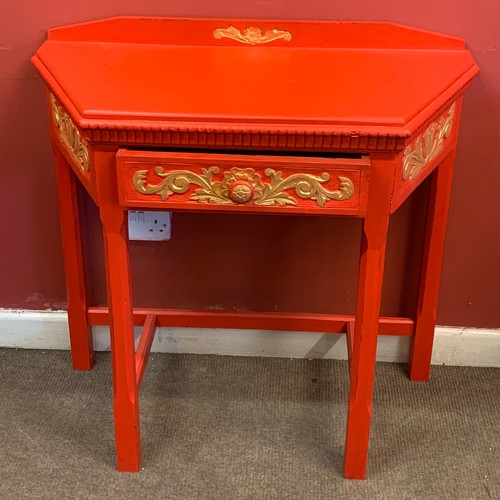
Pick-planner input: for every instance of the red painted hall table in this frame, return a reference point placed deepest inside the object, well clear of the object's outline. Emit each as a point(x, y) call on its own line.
point(251, 116)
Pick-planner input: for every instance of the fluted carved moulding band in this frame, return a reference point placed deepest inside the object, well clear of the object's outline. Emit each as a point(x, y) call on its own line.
point(428, 145)
point(70, 136)
point(252, 36)
point(242, 186)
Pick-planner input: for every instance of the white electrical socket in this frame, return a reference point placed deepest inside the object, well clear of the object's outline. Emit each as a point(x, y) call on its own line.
point(148, 225)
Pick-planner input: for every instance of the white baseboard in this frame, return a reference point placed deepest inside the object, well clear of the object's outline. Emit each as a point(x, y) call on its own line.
point(461, 346)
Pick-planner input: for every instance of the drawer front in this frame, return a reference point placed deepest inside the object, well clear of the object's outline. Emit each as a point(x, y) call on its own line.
point(246, 183)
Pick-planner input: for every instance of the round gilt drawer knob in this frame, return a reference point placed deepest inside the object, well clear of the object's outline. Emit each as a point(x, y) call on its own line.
point(241, 191)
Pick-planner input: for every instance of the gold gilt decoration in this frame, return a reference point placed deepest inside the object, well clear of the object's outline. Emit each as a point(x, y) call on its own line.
point(427, 146)
point(252, 36)
point(243, 186)
point(70, 136)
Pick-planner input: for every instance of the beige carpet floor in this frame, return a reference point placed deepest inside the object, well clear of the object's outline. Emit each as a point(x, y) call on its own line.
point(245, 428)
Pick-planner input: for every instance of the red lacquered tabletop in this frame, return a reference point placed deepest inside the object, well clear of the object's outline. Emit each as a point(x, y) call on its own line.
point(357, 77)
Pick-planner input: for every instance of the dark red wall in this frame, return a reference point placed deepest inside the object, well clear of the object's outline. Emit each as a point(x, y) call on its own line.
point(272, 263)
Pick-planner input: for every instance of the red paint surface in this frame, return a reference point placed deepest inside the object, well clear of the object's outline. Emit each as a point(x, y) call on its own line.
point(285, 264)
point(293, 85)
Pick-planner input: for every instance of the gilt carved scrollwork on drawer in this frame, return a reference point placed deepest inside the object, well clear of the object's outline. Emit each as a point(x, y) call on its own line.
point(196, 181)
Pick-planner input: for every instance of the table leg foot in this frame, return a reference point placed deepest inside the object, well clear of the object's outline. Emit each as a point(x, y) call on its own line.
point(127, 435)
point(82, 359)
point(357, 438)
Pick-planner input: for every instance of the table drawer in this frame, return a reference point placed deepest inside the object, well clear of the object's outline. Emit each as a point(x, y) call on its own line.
point(239, 182)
